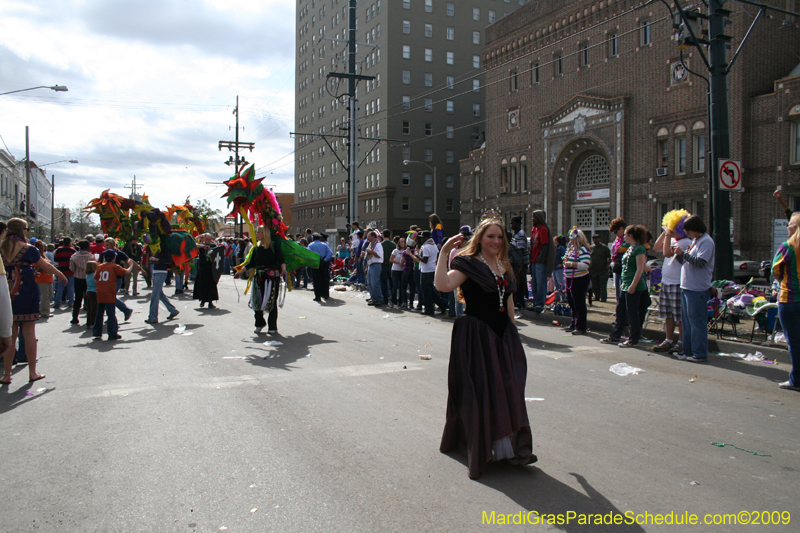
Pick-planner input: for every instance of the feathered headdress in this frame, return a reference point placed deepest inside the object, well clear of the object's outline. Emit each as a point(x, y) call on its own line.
point(674, 220)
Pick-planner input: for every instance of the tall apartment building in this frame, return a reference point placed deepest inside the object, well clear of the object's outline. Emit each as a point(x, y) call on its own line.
point(427, 98)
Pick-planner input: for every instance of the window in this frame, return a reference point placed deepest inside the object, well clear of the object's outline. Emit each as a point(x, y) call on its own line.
point(795, 146)
point(378, 30)
point(476, 13)
point(644, 33)
point(558, 63)
point(428, 79)
point(523, 175)
point(699, 151)
point(428, 129)
point(449, 132)
point(476, 37)
point(451, 34)
point(406, 102)
point(428, 30)
point(449, 156)
point(406, 51)
point(449, 182)
point(428, 6)
point(406, 153)
point(428, 180)
point(476, 86)
point(492, 16)
point(406, 203)
point(583, 50)
point(428, 155)
point(449, 205)
point(407, 27)
point(476, 110)
point(663, 152)
point(429, 104)
point(513, 80)
point(406, 178)
point(477, 180)
point(428, 55)
point(449, 107)
point(406, 127)
point(535, 72)
point(428, 205)
point(680, 155)
point(476, 61)
point(451, 9)
point(613, 45)
point(407, 77)
point(406, 4)
point(450, 58)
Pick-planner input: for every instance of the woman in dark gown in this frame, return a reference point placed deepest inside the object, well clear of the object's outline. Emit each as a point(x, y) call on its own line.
point(205, 287)
point(270, 268)
point(486, 412)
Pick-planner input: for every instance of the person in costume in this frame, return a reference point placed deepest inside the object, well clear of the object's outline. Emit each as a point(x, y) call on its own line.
point(669, 302)
point(205, 286)
point(486, 412)
point(19, 260)
point(270, 268)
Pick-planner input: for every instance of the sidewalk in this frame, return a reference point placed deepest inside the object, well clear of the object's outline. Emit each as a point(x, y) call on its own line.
point(600, 319)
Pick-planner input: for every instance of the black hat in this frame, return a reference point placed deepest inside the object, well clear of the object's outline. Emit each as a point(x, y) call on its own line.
point(323, 234)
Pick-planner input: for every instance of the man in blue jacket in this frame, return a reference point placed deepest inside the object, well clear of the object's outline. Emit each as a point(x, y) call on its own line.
point(320, 275)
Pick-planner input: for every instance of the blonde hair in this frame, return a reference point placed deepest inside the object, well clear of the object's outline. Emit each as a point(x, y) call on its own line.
point(14, 228)
point(581, 240)
point(91, 267)
point(794, 240)
point(266, 236)
point(473, 247)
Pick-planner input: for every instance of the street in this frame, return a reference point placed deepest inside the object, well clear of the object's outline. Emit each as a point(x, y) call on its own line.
point(338, 428)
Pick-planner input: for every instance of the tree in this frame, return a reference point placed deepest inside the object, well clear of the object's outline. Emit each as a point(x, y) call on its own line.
point(215, 220)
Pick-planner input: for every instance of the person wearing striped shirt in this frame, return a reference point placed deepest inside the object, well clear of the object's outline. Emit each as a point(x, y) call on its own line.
point(576, 278)
point(786, 269)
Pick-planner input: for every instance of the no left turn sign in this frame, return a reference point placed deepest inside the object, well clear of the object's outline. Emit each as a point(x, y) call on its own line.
point(730, 175)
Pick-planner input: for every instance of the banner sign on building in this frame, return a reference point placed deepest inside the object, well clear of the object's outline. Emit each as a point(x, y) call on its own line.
point(596, 194)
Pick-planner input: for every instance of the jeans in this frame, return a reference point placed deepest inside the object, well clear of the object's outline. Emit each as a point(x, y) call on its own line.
point(429, 296)
point(558, 282)
point(80, 291)
point(406, 283)
point(790, 321)
point(398, 297)
point(360, 271)
point(386, 281)
point(451, 303)
point(159, 276)
point(617, 281)
point(576, 296)
point(69, 295)
point(111, 323)
point(694, 322)
point(539, 284)
point(418, 287)
point(179, 281)
point(628, 312)
point(374, 283)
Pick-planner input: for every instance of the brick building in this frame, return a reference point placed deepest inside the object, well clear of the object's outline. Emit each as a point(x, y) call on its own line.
point(590, 115)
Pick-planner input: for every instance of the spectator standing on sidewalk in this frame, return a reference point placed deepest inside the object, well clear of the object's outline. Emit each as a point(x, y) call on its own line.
point(576, 277)
point(785, 269)
point(520, 259)
point(598, 269)
point(77, 263)
point(618, 249)
point(429, 296)
point(386, 271)
point(697, 269)
point(106, 278)
point(65, 290)
point(320, 274)
point(45, 282)
point(374, 254)
point(669, 302)
point(543, 255)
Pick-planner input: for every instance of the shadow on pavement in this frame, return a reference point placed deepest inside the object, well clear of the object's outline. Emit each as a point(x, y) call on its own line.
point(537, 344)
point(11, 400)
point(281, 357)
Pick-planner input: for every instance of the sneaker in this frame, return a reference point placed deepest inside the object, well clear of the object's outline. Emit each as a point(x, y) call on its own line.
point(128, 315)
point(151, 321)
point(569, 329)
point(694, 359)
point(628, 344)
point(272, 331)
point(680, 356)
point(114, 337)
point(97, 337)
point(788, 386)
point(259, 330)
point(609, 340)
point(578, 332)
point(173, 315)
point(676, 348)
point(73, 321)
point(665, 346)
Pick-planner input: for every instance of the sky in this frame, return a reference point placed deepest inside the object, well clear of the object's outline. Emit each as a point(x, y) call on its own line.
point(152, 89)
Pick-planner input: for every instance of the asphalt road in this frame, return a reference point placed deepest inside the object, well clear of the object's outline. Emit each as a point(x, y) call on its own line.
point(338, 429)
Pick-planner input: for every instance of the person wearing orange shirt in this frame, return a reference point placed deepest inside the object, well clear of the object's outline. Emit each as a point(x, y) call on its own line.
point(106, 279)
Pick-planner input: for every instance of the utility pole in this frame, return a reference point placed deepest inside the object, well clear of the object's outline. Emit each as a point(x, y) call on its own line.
point(133, 186)
point(53, 209)
point(27, 209)
point(234, 147)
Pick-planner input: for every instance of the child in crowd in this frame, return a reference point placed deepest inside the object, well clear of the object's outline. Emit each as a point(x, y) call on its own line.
point(91, 293)
point(106, 281)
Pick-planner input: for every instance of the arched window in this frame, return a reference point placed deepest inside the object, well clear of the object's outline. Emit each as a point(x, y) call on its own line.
point(594, 172)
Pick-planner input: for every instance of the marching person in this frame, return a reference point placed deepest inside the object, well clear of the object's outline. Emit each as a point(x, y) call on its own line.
point(205, 287)
point(270, 268)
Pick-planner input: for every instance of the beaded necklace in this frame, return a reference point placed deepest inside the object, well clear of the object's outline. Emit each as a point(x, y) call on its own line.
point(502, 283)
point(20, 239)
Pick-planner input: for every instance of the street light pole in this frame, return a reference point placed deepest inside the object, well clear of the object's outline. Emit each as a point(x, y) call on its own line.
point(57, 88)
point(27, 212)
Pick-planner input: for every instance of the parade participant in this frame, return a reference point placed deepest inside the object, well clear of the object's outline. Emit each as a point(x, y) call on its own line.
point(19, 259)
point(697, 270)
point(785, 270)
point(576, 277)
point(159, 263)
point(669, 302)
point(320, 276)
point(270, 267)
point(486, 412)
point(205, 287)
point(633, 289)
point(133, 249)
point(65, 291)
point(106, 278)
point(77, 263)
point(543, 255)
point(91, 294)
